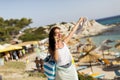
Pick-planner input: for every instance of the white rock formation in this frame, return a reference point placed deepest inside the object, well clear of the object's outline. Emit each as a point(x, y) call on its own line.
point(92, 28)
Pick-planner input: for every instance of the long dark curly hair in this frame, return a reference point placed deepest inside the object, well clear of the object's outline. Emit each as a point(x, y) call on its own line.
point(52, 42)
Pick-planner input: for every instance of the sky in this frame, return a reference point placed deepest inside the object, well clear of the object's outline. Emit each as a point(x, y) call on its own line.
point(45, 12)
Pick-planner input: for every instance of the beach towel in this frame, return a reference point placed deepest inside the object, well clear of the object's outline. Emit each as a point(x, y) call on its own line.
point(66, 73)
point(49, 67)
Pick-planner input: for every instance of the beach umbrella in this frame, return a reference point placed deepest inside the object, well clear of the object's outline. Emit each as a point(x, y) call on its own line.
point(27, 43)
point(103, 48)
point(89, 42)
point(90, 55)
point(88, 47)
point(14, 47)
point(2, 47)
point(72, 42)
point(10, 48)
point(90, 58)
point(79, 47)
point(117, 46)
point(107, 41)
point(6, 45)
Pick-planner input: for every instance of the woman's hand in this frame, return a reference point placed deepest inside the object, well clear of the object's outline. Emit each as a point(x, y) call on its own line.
point(82, 20)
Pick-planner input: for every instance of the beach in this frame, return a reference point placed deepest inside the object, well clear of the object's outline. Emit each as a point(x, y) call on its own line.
point(108, 75)
point(28, 70)
point(99, 69)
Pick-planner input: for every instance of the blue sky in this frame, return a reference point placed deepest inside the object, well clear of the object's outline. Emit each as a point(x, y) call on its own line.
point(44, 12)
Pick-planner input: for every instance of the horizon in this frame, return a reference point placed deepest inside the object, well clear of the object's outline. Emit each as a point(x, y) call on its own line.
point(50, 12)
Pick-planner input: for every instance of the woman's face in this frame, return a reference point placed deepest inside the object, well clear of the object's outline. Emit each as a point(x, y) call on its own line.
point(58, 34)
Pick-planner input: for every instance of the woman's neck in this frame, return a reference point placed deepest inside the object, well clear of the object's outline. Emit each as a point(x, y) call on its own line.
point(60, 44)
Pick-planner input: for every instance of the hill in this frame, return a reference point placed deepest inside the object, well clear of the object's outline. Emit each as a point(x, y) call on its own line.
point(90, 28)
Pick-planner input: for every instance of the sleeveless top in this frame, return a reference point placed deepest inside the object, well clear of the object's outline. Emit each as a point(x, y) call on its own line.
point(64, 56)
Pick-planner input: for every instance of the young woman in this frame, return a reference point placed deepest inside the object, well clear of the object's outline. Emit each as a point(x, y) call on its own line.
point(58, 49)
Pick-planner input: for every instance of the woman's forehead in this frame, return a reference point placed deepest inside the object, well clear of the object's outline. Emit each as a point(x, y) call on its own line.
point(57, 30)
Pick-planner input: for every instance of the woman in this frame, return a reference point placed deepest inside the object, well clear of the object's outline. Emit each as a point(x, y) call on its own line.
point(58, 49)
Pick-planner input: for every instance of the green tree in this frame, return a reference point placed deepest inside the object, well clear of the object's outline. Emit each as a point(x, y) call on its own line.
point(10, 27)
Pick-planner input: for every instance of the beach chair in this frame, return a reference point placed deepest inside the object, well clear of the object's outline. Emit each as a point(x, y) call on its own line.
point(117, 55)
point(100, 61)
point(107, 62)
point(81, 67)
point(117, 73)
point(97, 75)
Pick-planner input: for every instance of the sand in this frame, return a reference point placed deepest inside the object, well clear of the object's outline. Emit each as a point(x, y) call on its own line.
point(96, 69)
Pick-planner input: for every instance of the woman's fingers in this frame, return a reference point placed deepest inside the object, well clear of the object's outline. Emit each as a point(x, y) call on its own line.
point(84, 19)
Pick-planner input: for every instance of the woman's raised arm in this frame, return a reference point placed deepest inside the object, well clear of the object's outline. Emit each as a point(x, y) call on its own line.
point(69, 36)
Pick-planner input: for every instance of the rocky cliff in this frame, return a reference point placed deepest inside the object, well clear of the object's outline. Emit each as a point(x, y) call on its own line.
point(90, 28)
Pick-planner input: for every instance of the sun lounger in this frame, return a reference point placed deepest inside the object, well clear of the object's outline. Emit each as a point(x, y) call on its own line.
point(117, 54)
point(81, 67)
point(107, 62)
point(116, 63)
point(117, 73)
point(97, 75)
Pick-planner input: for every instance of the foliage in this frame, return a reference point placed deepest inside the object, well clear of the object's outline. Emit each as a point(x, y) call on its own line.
point(37, 34)
point(85, 77)
point(15, 70)
point(11, 27)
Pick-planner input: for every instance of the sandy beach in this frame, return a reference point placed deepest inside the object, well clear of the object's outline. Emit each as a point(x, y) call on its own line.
point(30, 66)
point(101, 69)
point(97, 69)
point(108, 75)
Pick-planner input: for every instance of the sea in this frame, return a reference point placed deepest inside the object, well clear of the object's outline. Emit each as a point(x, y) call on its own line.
point(108, 35)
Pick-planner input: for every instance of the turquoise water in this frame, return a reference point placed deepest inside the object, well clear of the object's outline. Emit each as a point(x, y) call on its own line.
point(99, 39)
point(109, 20)
point(108, 35)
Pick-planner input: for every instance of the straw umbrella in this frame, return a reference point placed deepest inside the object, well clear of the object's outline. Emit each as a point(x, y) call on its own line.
point(117, 46)
point(103, 48)
point(107, 41)
point(72, 42)
point(90, 55)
